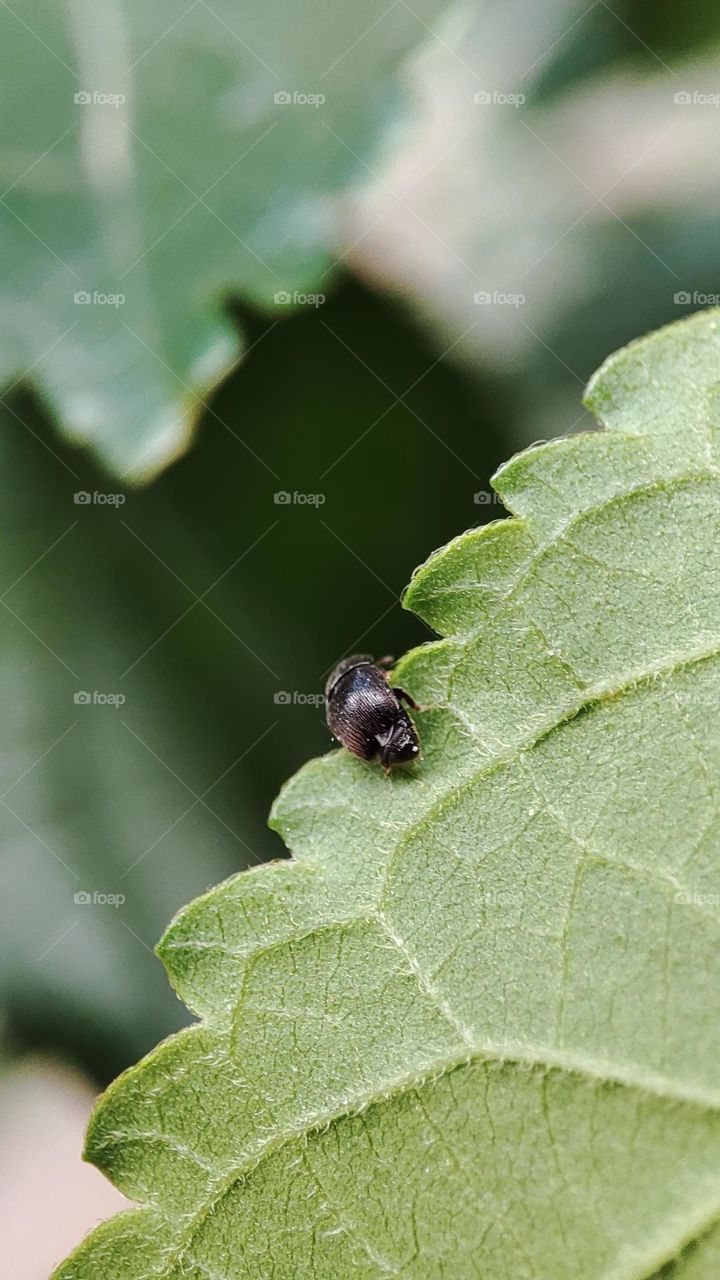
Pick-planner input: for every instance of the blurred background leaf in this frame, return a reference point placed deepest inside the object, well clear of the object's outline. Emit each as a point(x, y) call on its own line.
point(201, 600)
point(560, 194)
point(158, 158)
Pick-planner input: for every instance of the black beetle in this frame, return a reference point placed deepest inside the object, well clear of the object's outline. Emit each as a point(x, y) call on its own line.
point(365, 714)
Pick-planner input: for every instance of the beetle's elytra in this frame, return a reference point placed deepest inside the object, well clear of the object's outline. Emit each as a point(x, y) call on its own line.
point(366, 715)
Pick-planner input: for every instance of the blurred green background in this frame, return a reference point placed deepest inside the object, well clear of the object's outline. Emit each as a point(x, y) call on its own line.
point(199, 598)
point(285, 589)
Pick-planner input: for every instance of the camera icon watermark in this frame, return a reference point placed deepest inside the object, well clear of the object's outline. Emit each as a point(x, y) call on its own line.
point(284, 499)
point(296, 98)
point(283, 298)
point(297, 699)
point(83, 898)
point(94, 98)
point(696, 98)
point(82, 298)
point(496, 298)
point(684, 298)
point(82, 498)
point(497, 98)
point(500, 900)
point(686, 898)
point(98, 699)
point(486, 498)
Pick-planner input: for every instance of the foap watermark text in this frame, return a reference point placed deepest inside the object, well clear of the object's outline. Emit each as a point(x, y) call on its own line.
point(686, 898)
point(95, 98)
point(84, 898)
point(498, 98)
point(298, 98)
point(97, 499)
point(686, 298)
point(82, 298)
point(295, 698)
point(285, 298)
point(696, 98)
point(284, 499)
point(496, 298)
point(97, 698)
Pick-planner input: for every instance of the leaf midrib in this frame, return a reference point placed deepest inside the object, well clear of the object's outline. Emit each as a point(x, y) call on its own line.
point(601, 692)
point(506, 1057)
point(518, 1056)
point(509, 1055)
point(594, 695)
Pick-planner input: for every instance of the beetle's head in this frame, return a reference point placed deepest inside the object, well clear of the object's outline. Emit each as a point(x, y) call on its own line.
point(401, 745)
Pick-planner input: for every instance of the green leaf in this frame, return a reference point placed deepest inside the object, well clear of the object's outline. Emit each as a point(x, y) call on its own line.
point(148, 161)
point(473, 1027)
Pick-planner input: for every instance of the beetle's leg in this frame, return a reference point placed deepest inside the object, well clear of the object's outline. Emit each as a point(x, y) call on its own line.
point(402, 695)
point(387, 661)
